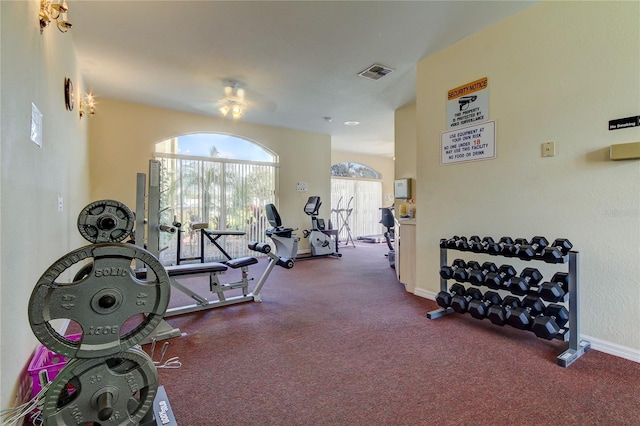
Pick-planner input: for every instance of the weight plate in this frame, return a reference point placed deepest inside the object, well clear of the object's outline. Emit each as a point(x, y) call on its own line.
point(101, 301)
point(115, 390)
point(105, 221)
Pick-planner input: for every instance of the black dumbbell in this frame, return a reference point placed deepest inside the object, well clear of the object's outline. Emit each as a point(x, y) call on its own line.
point(556, 252)
point(444, 242)
point(446, 272)
point(462, 274)
point(477, 276)
point(521, 285)
point(479, 308)
point(522, 316)
point(443, 298)
point(512, 250)
point(556, 289)
point(459, 244)
point(449, 242)
point(497, 248)
point(535, 248)
point(455, 242)
point(495, 280)
point(460, 303)
point(478, 246)
point(498, 314)
point(548, 326)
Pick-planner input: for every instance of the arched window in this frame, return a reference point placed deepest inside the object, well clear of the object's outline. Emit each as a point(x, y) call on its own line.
point(356, 198)
point(354, 170)
point(221, 180)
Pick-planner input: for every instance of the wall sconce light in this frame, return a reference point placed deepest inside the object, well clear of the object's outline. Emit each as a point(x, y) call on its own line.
point(54, 10)
point(87, 105)
point(233, 101)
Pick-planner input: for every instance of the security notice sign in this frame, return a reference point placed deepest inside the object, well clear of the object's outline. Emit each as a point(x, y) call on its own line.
point(468, 104)
point(469, 144)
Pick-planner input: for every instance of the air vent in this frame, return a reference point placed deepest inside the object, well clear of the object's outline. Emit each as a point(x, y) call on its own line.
point(375, 72)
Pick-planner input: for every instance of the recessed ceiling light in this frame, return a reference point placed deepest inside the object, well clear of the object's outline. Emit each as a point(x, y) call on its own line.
point(351, 123)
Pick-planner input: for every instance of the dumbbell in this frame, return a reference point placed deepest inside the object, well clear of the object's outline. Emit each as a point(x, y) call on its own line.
point(478, 246)
point(477, 276)
point(535, 248)
point(462, 274)
point(443, 298)
point(479, 308)
point(521, 285)
point(495, 280)
point(548, 326)
point(498, 314)
point(455, 242)
point(497, 248)
point(446, 242)
point(460, 303)
point(556, 289)
point(446, 272)
point(512, 250)
point(556, 252)
point(522, 316)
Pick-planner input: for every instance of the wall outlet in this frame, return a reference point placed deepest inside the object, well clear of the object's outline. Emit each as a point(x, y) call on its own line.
point(303, 186)
point(60, 204)
point(549, 149)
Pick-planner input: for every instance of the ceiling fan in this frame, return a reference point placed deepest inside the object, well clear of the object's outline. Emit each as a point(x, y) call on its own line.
point(233, 100)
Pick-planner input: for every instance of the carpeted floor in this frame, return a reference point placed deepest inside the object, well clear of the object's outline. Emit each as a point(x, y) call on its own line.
point(340, 342)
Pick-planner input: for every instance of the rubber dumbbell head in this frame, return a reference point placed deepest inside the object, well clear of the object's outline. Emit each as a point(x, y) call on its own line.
point(556, 252)
point(498, 314)
point(460, 303)
point(529, 251)
point(495, 280)
point(548, 326)
point(479, 308)
point(443, 298)
point(522, 316)
point(477, 277)
point(446, 272)
point(512, 250)
point(521, 285)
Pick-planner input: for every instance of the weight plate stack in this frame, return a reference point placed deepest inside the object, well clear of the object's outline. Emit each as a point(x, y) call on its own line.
point(101, 301)
point(106, 221)
point(115, 390)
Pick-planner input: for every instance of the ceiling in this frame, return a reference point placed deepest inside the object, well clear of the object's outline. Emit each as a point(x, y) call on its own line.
point(298, 60)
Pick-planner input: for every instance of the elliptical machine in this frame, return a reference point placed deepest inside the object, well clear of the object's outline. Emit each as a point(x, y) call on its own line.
point(319, 236)
point(388, 222)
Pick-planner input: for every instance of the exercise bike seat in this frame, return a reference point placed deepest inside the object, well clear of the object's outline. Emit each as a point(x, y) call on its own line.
point(274, 220)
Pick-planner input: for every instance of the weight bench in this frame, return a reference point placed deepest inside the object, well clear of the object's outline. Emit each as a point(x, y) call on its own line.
point(213, 270)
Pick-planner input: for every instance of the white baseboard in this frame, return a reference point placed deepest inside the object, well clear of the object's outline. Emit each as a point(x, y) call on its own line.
point(596, 344)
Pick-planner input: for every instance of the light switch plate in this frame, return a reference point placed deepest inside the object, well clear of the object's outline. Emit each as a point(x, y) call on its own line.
point(549, 149)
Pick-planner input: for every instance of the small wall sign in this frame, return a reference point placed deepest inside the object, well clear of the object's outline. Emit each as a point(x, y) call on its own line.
point(471, 143)
point(623, 123)
point(468, 104)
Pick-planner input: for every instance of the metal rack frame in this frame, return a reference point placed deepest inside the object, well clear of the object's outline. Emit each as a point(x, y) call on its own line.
point(577, 347)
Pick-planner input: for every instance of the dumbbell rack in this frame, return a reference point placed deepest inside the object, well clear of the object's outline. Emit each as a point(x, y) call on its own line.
point(577, 347)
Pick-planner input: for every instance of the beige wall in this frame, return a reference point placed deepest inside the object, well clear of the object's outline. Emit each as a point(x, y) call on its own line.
point(405, 148)
point(383, 165)
point(123, 137)
point(33, 233)
point(558, 71)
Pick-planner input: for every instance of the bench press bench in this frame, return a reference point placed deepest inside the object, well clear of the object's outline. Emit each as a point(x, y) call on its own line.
point(213, 270)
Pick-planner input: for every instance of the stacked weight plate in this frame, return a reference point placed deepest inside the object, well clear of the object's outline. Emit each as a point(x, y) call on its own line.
point(109, 379)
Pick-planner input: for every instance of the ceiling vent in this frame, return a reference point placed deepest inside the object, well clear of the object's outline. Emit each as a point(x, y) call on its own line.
point(375, 72)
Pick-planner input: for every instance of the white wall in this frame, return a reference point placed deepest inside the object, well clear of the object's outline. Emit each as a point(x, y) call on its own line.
point(34, 234)
point(558, 71)
point(123, 137)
